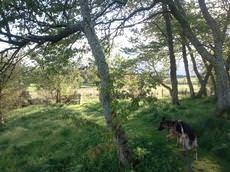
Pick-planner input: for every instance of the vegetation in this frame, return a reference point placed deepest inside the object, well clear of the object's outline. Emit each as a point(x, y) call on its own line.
point(127, 52)
point(74, 138)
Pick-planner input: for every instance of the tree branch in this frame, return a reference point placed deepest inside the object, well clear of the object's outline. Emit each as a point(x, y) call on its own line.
point(210, 21)
point(188, 31)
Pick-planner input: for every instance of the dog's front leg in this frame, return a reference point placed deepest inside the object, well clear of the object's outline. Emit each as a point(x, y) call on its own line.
point(195, 148)
point(177, 141)
point(168, 136)
point(196, 156)
point(183, 141)
point(195, 153)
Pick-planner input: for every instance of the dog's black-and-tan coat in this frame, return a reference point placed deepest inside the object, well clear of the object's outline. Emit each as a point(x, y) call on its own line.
point(182, 131)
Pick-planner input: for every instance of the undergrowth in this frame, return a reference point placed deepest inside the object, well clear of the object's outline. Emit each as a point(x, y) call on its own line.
point(74, 138)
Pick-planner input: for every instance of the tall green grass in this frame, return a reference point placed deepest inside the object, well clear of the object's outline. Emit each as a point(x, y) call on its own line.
point(74, 138)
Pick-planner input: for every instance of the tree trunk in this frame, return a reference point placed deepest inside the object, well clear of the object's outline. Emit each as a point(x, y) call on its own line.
point(58, 95)
point(200, 79)
point(184, 55)
point(2, 121)
point(222, 87)
point(203, 90)
point(203, 86)
point(222, 77)
point(222, 81)
point(227, 64)
point(125, 154)
point(169, 38)
point(167, 87)
point(213, 90)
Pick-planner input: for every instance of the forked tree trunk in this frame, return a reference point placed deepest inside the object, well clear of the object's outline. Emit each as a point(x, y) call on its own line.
point(125, 154)
point(184, 55)
point(203, 90)
point(173, 76)
point(222, 77)
point(202, 81)
point(203, 86)
point(222, 80)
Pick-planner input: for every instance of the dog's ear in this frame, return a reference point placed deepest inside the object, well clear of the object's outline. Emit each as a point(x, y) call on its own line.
point(163, 118)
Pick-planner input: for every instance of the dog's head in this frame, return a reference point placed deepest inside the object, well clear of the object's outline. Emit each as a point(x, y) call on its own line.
point(165, 124)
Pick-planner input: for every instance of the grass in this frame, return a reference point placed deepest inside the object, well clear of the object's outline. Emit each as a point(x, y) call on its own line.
point(90, 92)
point(74, 138)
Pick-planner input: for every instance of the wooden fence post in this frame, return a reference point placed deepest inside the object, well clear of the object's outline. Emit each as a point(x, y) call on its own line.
point(78, 98)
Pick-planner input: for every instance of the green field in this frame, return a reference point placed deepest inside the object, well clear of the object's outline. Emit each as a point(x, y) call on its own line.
point(91, 92)
point(74, 138)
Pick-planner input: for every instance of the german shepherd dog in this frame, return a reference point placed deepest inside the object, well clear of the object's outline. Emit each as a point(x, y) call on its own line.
point(182, 132)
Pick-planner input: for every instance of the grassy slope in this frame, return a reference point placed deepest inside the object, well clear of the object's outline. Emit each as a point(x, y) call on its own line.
point(74, 138)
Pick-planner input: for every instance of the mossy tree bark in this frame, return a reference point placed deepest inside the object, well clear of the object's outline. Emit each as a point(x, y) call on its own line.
point(125, 154)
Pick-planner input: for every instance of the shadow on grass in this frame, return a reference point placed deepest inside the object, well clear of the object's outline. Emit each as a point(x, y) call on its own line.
point(68, 138)
point(213, 133)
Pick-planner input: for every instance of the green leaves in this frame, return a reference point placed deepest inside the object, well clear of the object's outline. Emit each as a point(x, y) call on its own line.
point(56, 69)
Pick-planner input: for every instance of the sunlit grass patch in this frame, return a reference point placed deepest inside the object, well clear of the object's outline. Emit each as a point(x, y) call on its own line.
point(207, 164)
point(75, 138)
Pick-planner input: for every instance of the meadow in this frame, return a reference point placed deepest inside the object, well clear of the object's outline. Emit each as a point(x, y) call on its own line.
point(91, 93)
point(74, 138)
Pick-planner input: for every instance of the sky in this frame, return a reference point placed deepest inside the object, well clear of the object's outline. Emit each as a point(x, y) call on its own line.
point(121, 42)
